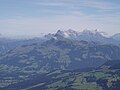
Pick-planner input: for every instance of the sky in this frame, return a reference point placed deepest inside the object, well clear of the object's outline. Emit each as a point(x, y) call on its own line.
point(33, 17)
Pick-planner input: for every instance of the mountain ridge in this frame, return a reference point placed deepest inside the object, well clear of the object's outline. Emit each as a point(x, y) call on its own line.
point(86, 35)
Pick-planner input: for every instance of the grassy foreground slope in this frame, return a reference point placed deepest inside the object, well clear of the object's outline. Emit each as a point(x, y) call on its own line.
point(100, 79)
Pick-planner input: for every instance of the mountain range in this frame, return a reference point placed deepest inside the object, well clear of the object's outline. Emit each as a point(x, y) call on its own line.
point(80, 60)
point(87, 35)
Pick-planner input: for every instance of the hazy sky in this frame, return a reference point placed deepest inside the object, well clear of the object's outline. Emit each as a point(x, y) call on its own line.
point(32, 17)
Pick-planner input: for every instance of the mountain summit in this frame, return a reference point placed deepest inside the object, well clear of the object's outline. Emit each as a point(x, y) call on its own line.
point(68, 34)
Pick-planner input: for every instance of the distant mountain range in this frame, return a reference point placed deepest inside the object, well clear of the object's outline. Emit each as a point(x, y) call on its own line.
point(7, 44)
point(67, 53)
point(63, 50)
point(86, 35)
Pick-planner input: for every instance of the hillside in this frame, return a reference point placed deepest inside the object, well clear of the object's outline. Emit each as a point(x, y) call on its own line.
point(87, 79)
point(24, 62)
point(58, 54)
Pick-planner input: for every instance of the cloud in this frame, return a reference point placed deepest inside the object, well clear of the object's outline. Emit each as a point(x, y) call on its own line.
point(65, 7)
point(98, 4)
point(104, 5)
